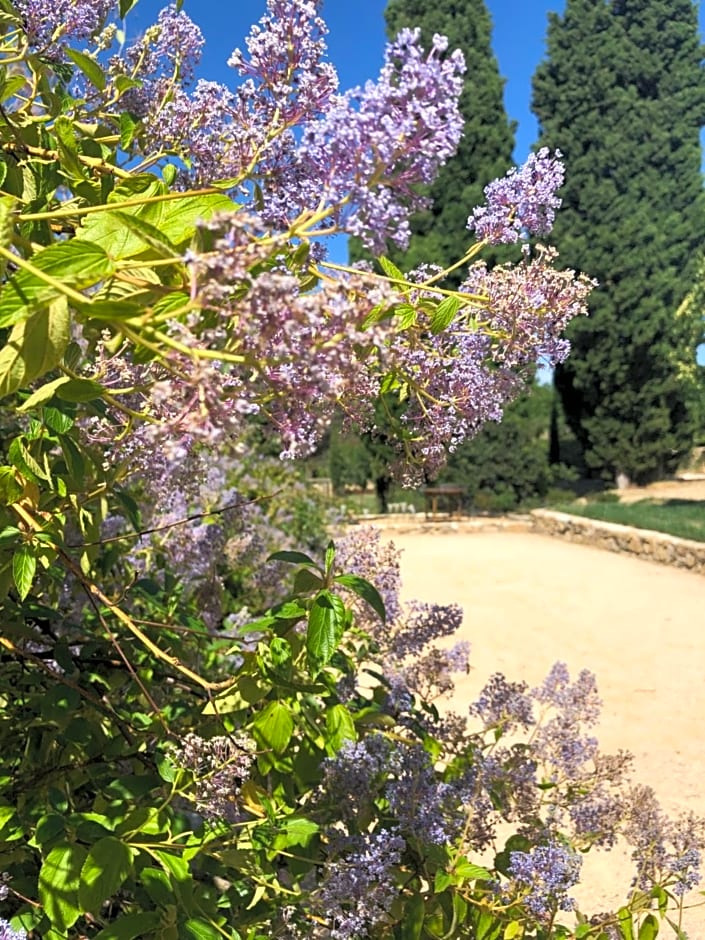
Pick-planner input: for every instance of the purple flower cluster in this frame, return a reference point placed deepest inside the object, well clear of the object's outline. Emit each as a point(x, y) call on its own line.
point(290, 80)
point(523, 203)
point(543, 876)
point(528, 306)
point(219, 766)
point(7, 932)
point(665, 851)
point(504, 705)
point(163, 58)
point(357, 888)
point(50, 26)
point(361, 161)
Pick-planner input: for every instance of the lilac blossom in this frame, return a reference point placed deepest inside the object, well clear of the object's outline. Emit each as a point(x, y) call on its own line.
point(664, 850)
point(8, 933)
point(504, 705)
point(523, 202)
point(50, 26)
point(357, 888)
point(363, 159)
point(219, 766)
point(543, 876)
point(286, 62)
point(528, 306)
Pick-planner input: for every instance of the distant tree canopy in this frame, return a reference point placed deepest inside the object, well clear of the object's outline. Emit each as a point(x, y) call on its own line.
point(508, 464)
point(622, 94)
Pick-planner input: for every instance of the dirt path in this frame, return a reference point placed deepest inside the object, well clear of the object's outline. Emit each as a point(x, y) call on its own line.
point(530, 600)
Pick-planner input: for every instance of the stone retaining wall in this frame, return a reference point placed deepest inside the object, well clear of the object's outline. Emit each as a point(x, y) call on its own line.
point(642, 543)
point(653, 546)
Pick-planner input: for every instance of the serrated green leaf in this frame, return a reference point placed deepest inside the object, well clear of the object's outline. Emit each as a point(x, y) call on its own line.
point(329, 557)
point(649, 928)
point(10, 489)
point(274, 727)
point(444, 314)
point(414, 912)
point(405, 316)
point(201, 930)
point(35, 345)
point(175, 218)
point(68, 149)
point(470, 872)
point(75, 264)
point(58, 885)
point(20, 457)
point(297, 831)
point(293, 558)
point(24, 567)
point(307, 582)
point(44, 393)
point(125, 7)
point(365, 590)
point(132, 926)
point(324, 630)
point(79, 390)
point(626, 923)
point(340, 727)
point(391, 270)
point(108, 864)
point(513, 931)
point(89, 67)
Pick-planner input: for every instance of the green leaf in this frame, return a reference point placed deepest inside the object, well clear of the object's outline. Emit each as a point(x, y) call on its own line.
point(274, 727)
point(247, 692)
point(391, 270)
point(626, 924)
point(649, 928)
point(132, 926)
point(125, 7)
point(108, 864)
point(66, 139)
point(365, 590)
point(412, 923)
point(324, 631)
point(293, 558)
point(35, 345)
point(24, 566)
point(329, 557)
point(59, 877)
point(174, 218)
point(128, 126)
point(444, 314)
point(89, 67)
point(44, 393)
point(10, 489)
point(513, 931)
point(149, 234)
point(307, 582)
point(79, 390)
point(297, 831)
point(468, 871)
point(73, 263)
point(10, 533)
point(201, 930)
point(340, 727)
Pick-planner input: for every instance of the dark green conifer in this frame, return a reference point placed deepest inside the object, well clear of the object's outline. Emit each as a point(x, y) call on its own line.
point(622, 94)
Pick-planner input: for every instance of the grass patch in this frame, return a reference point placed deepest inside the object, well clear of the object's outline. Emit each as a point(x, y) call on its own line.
point(683, 518)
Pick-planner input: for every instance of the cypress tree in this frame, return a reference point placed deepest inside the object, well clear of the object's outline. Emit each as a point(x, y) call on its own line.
point(622, 95)
point(439, 234)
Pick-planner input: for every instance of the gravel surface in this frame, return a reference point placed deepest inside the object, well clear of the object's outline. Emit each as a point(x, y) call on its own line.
point(530, 600)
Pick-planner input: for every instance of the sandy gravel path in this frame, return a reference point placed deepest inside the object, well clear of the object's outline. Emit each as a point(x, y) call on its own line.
point(530, 600)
